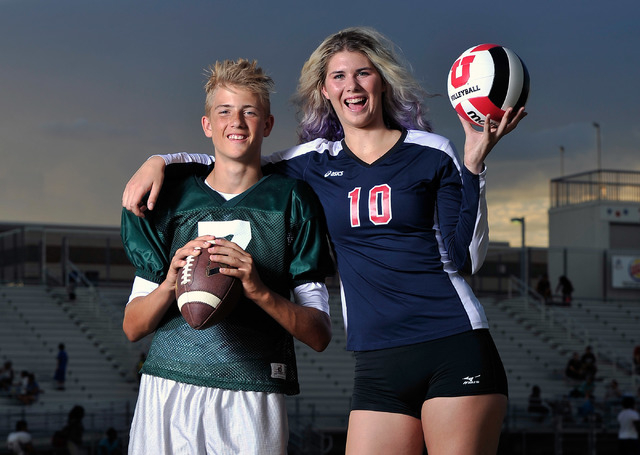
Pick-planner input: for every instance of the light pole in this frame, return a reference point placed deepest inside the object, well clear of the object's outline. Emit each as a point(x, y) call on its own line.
point(523, 256)
point(598, 146)
point(561, 161)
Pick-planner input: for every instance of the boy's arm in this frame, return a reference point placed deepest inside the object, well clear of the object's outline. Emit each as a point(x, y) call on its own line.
point(309, 325)
point(149, 178)
point(146, 309)
point(143, 313)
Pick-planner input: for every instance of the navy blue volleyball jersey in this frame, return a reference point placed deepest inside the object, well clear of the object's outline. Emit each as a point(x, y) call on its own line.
point(401, 229)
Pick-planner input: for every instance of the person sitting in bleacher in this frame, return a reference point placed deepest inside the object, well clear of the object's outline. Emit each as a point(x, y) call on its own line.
point(587, 409)
point(629, 422)
point(613, 394)
point(636, 360)
point(20, 441)
point(537, 407)
point(30, 390)
point(584, 389)
point(588, 360)
point(574, 368)
point(6, 377)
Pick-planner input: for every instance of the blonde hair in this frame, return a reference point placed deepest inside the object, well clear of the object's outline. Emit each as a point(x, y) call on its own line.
point(402, 101)
point(240, 73)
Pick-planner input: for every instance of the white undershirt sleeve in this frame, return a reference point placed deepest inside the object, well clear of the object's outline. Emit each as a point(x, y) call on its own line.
point(313, 295)
point(141, 288)
point(184, 157)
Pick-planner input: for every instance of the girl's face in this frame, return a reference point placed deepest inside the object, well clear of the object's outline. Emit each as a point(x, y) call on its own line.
point(354, 87)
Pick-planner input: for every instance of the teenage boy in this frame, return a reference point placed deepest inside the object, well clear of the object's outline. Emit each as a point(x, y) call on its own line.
point(221, 390)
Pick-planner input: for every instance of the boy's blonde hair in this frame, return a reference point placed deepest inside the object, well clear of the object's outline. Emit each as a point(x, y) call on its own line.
point(239, 73)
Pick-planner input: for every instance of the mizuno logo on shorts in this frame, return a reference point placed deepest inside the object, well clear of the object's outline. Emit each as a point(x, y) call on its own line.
point(470, 380)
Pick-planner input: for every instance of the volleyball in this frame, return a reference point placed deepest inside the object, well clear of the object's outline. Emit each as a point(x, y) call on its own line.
point(487, 80)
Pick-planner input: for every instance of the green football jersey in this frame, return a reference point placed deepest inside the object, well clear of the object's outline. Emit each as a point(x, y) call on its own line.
point(280, 223)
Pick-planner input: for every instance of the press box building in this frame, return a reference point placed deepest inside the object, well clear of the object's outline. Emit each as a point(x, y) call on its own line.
point(594, 233)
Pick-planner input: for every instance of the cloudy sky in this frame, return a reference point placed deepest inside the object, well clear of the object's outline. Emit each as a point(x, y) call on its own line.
point(90, 88)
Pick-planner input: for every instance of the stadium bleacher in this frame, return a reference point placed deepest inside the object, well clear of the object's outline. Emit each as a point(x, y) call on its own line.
point(535, 343)
point(35, 321)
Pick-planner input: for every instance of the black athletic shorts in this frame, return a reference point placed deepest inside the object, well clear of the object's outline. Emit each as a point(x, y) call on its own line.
point(399, 380)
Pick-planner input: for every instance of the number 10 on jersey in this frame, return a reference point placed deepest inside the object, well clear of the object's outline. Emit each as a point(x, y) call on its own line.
point(379, 205)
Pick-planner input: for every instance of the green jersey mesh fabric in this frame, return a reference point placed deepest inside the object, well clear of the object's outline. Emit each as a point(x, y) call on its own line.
point(248, 350)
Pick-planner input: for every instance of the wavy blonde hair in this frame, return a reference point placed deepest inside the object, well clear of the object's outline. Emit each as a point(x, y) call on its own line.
point(240, 73)
point(402, 103)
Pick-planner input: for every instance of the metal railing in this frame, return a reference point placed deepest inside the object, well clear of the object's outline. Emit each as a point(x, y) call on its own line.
point(603, 185)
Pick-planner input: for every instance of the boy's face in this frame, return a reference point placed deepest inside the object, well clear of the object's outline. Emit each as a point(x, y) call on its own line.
point(237, 123)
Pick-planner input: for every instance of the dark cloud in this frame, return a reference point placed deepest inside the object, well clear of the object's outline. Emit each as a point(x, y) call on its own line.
point(112, 82)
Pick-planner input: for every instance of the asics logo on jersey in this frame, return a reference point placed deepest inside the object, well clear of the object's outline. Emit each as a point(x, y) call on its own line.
point(470, 380)
point(333, 174)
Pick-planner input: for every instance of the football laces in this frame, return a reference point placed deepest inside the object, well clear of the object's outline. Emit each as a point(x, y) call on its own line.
point(186, 271)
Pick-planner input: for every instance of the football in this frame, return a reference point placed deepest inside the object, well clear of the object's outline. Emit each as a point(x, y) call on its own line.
point(487, 80)
point(204, 295)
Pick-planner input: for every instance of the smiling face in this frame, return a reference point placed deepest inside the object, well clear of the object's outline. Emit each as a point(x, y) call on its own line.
point(237, 123)
point(355, 89)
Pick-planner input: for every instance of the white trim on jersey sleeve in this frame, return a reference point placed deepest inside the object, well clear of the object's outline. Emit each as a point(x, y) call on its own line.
point(319, 145)
point(480, 241)
point(472, 306)
point(312, 295)
point(141, 288)
point(434, 141)
point(184, 157)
